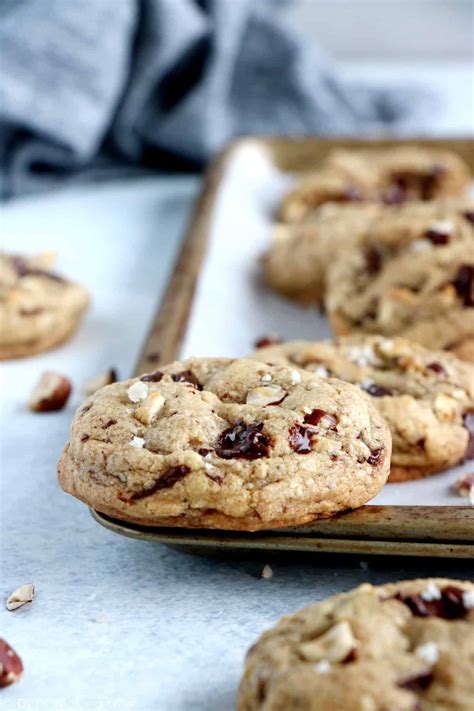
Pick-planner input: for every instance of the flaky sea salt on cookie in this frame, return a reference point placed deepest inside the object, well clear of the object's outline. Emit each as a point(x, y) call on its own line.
point(224, 443)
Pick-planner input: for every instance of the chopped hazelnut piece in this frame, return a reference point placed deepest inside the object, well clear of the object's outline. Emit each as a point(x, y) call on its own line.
point(22, 596)
point(150, 408)
point(334, 646)
point(445, 407)
point(11, 667)
point(266, 395)
point(51, 393)
point(464, 485)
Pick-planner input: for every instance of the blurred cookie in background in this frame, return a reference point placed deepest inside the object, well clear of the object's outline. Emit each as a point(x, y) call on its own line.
point(39, 309)
point(412, 275)
point(389, 175)
point(300, 254)
point(406, 645)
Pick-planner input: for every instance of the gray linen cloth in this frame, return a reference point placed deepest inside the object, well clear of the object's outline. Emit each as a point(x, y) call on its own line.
point(94, 87)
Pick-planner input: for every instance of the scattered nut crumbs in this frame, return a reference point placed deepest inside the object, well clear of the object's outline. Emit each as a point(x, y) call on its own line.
point(21, 596)
point(464, 486)
point(99, 381)
point(50, 393)
point(266, 573)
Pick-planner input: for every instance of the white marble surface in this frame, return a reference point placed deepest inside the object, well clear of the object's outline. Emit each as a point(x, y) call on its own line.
point(174, 627)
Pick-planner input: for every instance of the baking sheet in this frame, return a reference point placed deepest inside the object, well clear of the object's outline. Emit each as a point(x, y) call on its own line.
point(232, 308)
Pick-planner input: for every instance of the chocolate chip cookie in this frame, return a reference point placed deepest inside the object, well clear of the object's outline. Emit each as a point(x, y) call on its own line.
point(300, 254)
point(426, 397)
point(389, 175)
point(38, 308)
point(412, 275)
point(404, 646)
point(222, 443)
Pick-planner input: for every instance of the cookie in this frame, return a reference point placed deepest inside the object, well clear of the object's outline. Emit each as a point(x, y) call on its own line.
point(412, 275)
point(426, 397)
point(222, 443)
point(38, 308)
point(300, 254)
point(404, 646)
point(389, 175)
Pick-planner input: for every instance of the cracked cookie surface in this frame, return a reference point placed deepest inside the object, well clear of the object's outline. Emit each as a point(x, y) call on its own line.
point(426, 397)
point(412, 275)
point(38, 308)
point(388, 175)
point(407, 646)
point(222, 443)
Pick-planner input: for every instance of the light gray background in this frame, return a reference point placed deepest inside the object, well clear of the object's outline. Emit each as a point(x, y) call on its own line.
point(388, 29)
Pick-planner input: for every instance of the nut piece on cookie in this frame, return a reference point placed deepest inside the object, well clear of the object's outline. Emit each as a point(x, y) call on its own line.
point(370, 648)
point(226, 443)
point(51, 393)
point(11, 667)
point(335, 645)
point(38, 308)
point(150, 408)
point(426, 396)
